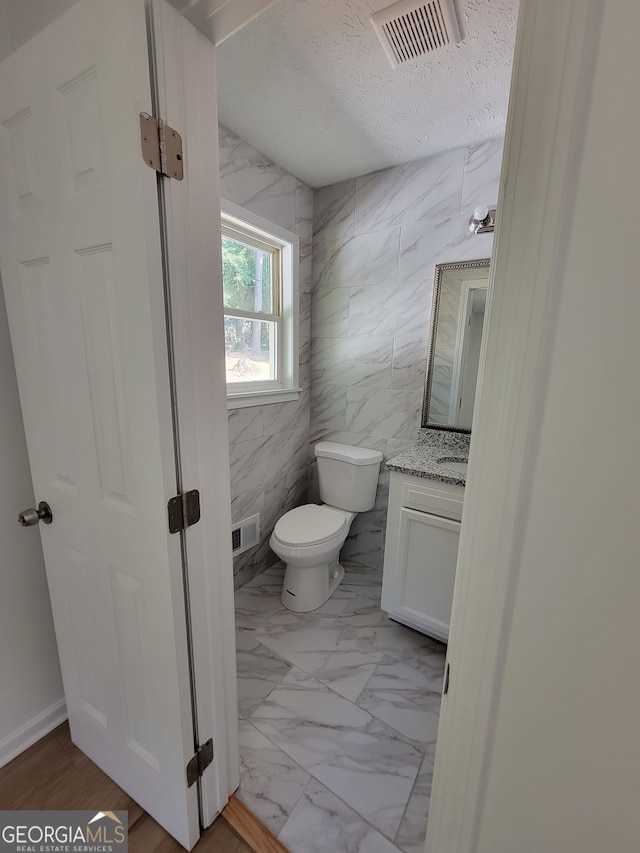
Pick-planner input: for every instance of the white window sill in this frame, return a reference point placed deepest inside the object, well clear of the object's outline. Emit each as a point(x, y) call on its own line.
point(262, 398)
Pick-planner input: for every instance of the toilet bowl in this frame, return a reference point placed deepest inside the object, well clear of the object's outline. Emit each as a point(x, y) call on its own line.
point(309, 538)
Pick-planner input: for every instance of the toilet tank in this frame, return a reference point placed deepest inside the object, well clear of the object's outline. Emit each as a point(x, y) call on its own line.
point(347, 476)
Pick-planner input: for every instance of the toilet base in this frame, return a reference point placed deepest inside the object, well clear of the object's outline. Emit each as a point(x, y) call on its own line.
point(305, 589)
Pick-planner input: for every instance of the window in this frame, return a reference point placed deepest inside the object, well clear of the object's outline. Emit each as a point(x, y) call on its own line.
point(259, 276)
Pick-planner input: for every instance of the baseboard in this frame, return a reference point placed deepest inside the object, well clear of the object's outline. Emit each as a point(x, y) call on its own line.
point(252, 831)
point(31, 731)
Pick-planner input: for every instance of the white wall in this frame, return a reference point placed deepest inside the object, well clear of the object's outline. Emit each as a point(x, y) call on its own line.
point(552, 498)
point(31, 694)
point(565, 767)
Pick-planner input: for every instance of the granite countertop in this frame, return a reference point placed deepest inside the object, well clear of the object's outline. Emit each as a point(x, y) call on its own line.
point(421, 460)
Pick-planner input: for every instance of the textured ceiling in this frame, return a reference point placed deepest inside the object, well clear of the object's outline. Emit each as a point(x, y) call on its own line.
point(308, 84)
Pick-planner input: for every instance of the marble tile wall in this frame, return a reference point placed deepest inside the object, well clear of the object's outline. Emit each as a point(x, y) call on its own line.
point(376, 241)
point(269, 443)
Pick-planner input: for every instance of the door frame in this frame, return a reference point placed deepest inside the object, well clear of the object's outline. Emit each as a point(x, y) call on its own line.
point(549, 104)
point(184, 64)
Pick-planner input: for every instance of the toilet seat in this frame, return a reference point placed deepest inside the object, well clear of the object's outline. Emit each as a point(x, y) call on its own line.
point(310, 525)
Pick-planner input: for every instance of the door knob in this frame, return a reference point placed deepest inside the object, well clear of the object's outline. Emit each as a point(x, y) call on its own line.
point(29, 517)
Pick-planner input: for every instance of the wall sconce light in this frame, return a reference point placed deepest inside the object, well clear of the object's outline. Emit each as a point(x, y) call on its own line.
point(482, 220)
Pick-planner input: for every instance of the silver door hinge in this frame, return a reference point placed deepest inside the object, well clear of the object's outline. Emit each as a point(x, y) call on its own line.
point(199, 763)
point(184, 510)
point(161, 147)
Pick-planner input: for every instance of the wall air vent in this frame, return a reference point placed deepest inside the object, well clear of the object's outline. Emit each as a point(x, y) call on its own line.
point(245, 534)
point(410, 29)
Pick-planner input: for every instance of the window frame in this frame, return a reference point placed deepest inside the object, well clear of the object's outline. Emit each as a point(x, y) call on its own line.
point(239, 223)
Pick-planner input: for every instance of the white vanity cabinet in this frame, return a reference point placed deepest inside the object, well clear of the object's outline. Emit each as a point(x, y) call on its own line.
point(423, 529)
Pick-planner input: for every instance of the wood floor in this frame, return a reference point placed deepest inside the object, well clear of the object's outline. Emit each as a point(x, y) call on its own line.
point(54, 774)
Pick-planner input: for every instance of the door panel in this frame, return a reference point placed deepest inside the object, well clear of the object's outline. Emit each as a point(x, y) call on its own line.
point(81, 267)
point(102, 355)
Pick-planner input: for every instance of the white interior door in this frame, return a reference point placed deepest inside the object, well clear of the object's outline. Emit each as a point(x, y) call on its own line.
point(81, 268)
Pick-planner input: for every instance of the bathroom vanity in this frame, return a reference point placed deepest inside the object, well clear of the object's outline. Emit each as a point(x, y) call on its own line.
point(427, 483)
point(423, 528)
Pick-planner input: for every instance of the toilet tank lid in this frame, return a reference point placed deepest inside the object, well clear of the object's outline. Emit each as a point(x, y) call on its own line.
point(348, 453)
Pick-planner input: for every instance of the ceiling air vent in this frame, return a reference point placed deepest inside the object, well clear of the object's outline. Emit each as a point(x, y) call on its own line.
point(409, 29)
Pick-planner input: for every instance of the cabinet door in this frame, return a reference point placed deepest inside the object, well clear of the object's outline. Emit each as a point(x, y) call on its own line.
point(427, 554)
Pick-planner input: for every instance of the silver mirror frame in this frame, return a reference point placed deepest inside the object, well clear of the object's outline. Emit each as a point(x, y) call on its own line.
point(440, 269)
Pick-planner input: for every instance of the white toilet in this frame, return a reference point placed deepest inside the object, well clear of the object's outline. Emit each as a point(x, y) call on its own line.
point(309, 538)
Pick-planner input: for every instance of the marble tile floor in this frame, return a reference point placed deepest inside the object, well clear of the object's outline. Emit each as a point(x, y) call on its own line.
point(338, 718)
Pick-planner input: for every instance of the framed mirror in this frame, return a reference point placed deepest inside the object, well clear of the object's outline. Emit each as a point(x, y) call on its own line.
point(457, 321)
